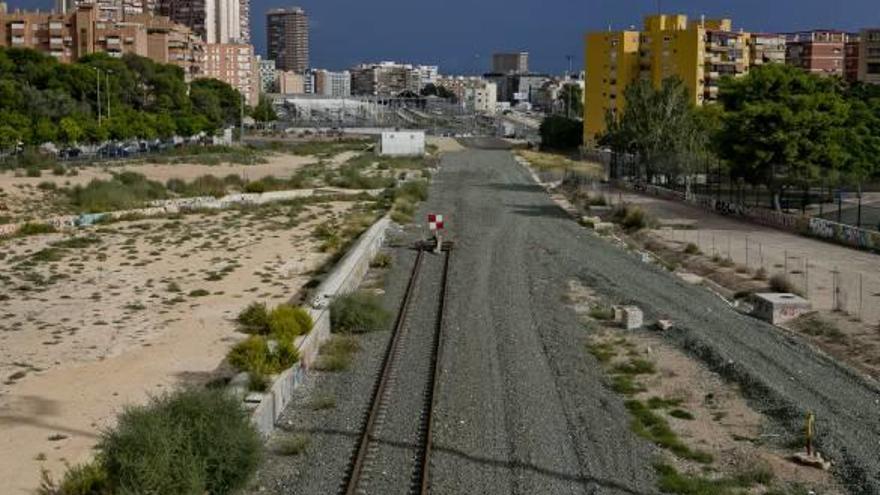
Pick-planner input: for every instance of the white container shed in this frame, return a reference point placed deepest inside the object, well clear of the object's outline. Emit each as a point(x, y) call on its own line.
point(402, 143)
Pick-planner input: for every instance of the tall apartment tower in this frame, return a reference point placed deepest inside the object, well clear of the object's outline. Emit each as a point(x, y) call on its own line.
point(510, 63)
point(115, 10)
point(215, 21)
point(287, 32)
point(245, 20)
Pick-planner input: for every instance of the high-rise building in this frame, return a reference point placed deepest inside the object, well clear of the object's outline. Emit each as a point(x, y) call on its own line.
point(244, 17)
point(767, 48)
point(510, 63)
point(699, 53)
point(385, 79)
point(216, 21)
point(869, 56)
point(287, 32)
point(116, 10)
point(821, 52)
point(75, 34)
point(234, 64)
point(267, 76)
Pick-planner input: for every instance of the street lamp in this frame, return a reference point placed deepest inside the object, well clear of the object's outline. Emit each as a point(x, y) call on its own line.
point(98, 98)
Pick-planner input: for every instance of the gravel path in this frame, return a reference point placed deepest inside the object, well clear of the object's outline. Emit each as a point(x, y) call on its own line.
point(522, 408)
point(518, 378)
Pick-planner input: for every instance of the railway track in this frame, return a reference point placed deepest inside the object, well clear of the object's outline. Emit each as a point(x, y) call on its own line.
point(358, 477)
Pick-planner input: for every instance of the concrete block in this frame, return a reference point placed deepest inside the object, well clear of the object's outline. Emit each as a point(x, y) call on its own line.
point(779, 307)
point(632, 317)
point(604, 227)
point(690, 278)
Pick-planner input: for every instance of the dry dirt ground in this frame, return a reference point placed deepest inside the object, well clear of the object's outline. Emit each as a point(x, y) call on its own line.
point(22, 198)
point(852, 333)
point(706, 413)
point(90, 326)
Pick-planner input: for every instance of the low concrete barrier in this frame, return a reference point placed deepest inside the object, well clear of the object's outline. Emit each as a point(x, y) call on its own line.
point(345, 277)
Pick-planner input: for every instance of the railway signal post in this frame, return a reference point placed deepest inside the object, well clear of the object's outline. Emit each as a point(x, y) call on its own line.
point(435, 225)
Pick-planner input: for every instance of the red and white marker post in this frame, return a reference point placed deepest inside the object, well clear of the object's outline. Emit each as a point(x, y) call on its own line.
point(435, 224)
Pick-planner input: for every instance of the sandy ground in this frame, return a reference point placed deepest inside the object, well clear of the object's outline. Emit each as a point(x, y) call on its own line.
point(113, 322)
point(721, 424)
point(810, 263)
point(20, 197)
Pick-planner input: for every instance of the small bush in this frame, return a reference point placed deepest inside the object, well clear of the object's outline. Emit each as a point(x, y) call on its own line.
point(35, 229)
point(58, 169)
point(692, 248)
point(781, 283)
point(602, 312)
point(636, 366)
point(257, 356)
point(630, 217)
point(357, 312)
point(33, 172)
point(603, 352)
point(646, 423)
point(83, 479)
point(381, 260)
point(761, 274)
point(256, 186)
point(287, 322)
point(199, 293)
point(186, 442)
point(292, 445)
point(681, 414)
point(254, 318)
point(337, 353)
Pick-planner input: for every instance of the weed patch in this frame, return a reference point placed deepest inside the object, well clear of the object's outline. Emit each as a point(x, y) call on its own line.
point(357, 312)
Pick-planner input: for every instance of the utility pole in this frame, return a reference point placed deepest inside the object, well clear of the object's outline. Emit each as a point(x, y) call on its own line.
point(98, 98)
point(108, 93)
point(241, 120)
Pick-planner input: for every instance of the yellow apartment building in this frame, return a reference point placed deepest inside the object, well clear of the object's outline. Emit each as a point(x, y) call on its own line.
point(700, 53)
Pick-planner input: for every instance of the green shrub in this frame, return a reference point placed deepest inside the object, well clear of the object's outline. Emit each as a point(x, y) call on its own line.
point(337, 353)
point(58, 169)
point(630, 217)
point(47, 186)
point(192, 441)
point(381, 260)
point(781, 283)
point(636, 366)
point(254, 318)
point(256, 186)
point(124, 191)
point(82, 479)
point(256, 355)
point(648, 424)
point(602, 312)
point(357, 312)
point(692, 248)
point(292, 445)
point(681, 414)
point(36, 229)
point(199, 293)
point(33, 172)
point(287, 322)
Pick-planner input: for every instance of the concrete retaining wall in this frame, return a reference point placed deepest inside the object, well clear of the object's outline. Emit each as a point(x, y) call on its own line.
point(345, 277)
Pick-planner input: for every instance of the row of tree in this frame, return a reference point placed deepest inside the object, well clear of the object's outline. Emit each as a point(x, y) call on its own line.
point(778, 127)
point(43, 100)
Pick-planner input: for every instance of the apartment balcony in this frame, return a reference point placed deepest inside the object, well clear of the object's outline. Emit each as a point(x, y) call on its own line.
point(17, 26)
point(18, 40)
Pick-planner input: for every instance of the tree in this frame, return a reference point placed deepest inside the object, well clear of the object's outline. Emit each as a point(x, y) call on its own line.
point(9, 137)
point(571, 97)
point(69, 130)
point(264, 112)
point(432, 89)
point(558, 132)
point(782, 127)
point(662, 126)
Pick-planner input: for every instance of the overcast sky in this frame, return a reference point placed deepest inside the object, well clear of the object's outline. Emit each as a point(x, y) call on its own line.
point(460, 35)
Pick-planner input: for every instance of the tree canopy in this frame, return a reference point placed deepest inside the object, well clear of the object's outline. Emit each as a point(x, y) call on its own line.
point(44, 100)
point(778, 126)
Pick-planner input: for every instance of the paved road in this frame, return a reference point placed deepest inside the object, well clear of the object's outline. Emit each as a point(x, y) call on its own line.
point(522, 409)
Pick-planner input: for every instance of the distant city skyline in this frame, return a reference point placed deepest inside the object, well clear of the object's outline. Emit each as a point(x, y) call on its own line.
point(460, 36)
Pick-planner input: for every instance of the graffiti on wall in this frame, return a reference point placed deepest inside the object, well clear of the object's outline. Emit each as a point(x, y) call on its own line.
point(844, 234)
